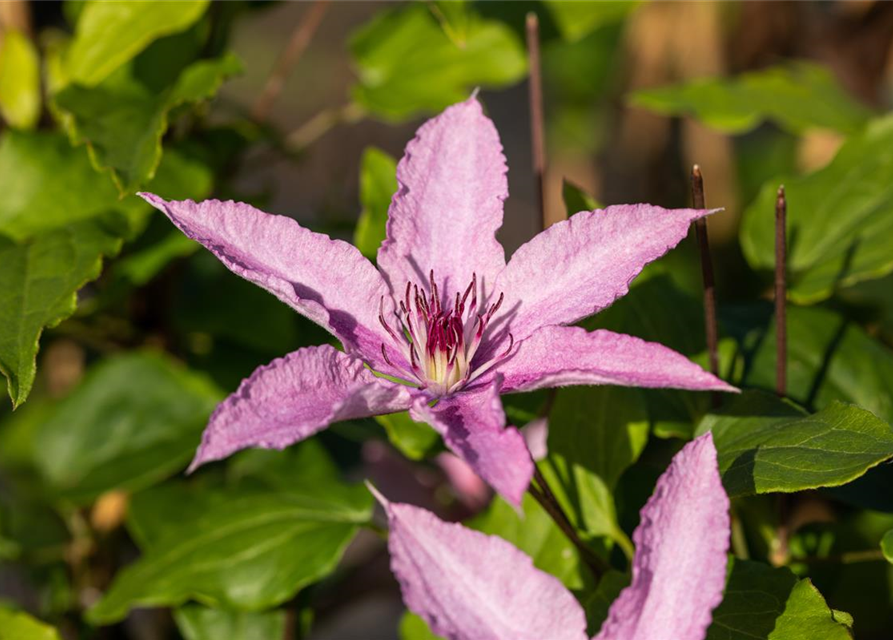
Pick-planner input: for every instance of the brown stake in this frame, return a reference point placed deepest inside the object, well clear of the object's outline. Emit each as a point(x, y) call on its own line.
point(710, 327)
point(537, 133)
point(781, 331)
point(297, 44)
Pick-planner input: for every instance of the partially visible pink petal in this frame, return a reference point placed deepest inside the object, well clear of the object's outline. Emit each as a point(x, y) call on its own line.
point(679, 569)
point(471, 586)
point(562, 356)
point(449, 204)
point(536, 435)
point(329, 281)
point(579, 266)
point(294, 397)
point(470, 489)
point(472, 424)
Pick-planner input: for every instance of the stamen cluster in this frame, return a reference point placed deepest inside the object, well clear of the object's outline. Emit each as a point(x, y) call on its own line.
point(439, 343)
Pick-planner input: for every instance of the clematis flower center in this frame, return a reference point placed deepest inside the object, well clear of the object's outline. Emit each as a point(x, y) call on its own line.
point(438, 342)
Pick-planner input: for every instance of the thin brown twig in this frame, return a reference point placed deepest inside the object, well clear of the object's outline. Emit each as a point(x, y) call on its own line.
point(300, 38)
point(537, 128)
point(781, 332)
point(848, 557)
point(710, 325)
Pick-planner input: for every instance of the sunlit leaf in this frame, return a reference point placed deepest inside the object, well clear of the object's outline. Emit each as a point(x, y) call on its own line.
point(19, 80)
point(400, 51)
point(203, 623)
point(577, 19)
point(18, 625)
point(248, 547)
point(766, 445)
point(763, 603)
point(797, 97)
point(887, 546)
point(378, 183)
point(413, 439)
point(840, 219)
point(109, 34)
point(135, 420)
point(576, 199)
point(123, 119)
point(38, 288)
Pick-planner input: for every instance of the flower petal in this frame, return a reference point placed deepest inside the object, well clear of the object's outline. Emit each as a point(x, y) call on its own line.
point(327, 280)
point(472, 424)
point(471, 586)
point(294, 397)
point(561, 356)
point(679, 570)
point(581, 265)
point(448, 207)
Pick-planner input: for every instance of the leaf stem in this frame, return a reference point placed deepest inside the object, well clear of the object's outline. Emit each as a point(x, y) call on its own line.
point(710, 325)
point(537, 128)
point(543, 494)
point(297, 44)
point(781, 337)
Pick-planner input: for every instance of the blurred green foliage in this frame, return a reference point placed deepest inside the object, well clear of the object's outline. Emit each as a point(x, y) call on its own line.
point(106, 99)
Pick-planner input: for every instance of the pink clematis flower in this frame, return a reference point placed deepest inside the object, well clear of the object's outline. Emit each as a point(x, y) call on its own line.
point(443, 313)
point(471, 586)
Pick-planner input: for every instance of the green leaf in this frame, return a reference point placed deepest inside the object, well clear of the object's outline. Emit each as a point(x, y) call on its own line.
point(398, 53)
point(887, 546)
point(135, 420)
point(766, 445)
point(829, 358)
point(597, 602)
point(38, 288)
point(19, 80)
point(454, 17)
point(45, 184)
point(249, 547)
point(798, 97)
point(536, 534)
point(412, 627)
point(840, 219)
point(109, 34)
point(123, 119)
point(413, 439)
point(576, 199)
point(378, 183)
point(17, 625)
point(763, 603)
point(595, 433)
point(202, 623)
point(578, 19)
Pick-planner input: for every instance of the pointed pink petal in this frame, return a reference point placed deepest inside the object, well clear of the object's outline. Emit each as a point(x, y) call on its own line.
point(679, 570)
point(581, 265)
point(327, 280)
point(472, 424)
point(294, 397)
point(561, 356)
point(471, 586)
point(449, 204)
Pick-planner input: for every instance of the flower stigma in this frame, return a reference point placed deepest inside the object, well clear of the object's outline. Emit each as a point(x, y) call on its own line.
point(439, 343)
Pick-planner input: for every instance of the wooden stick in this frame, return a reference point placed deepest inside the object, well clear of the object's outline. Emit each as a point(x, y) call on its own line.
point(710, 324)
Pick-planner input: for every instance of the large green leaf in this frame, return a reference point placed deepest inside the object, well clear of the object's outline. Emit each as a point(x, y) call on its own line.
point(577, 19)
point(766, 445)
point(135, 420)
point(840, 219)
point(400, 51)
point(248, 547)
point(762, 603)
point(17, 625)
point(829, 358)
point(595, 433)
point(38, 288)
point(123, 119)
point(203, 623)
point(19, 80)
point(109, 34)
point(797, 97)
point(378, 183)
point(45, 183)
